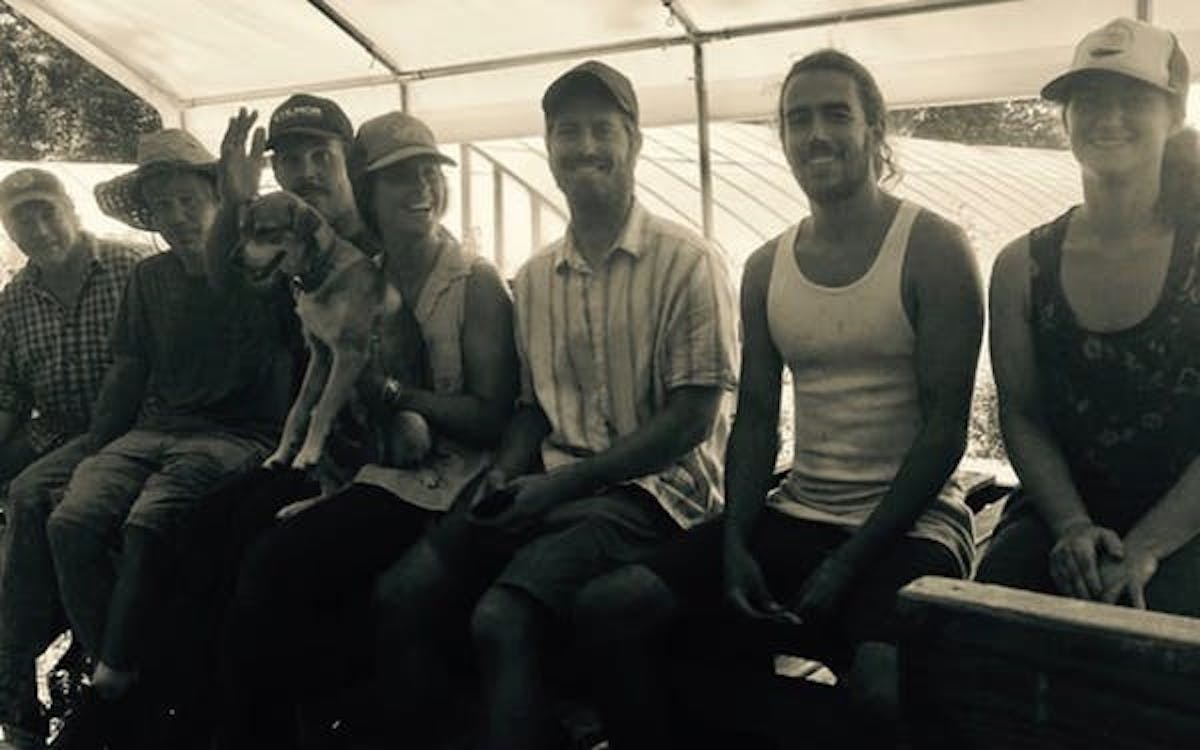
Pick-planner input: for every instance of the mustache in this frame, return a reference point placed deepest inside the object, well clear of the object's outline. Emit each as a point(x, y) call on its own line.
point(589, 161)
point(819, 149)
point(308, 188)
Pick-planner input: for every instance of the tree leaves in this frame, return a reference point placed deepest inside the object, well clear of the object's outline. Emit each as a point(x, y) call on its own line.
point(55, 105)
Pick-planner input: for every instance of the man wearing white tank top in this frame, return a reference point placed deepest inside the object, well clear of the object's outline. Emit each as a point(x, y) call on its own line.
point(875, 306)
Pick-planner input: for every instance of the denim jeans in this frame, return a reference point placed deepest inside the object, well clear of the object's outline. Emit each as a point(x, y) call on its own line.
point(30, 614)
point(146, 479)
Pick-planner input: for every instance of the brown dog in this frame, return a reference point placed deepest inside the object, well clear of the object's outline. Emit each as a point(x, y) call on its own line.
point(350, 315)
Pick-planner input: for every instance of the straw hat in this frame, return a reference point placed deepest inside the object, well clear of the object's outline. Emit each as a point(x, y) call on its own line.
point(121, 197)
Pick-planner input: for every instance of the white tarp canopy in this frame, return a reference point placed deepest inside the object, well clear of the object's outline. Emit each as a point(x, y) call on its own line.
point(475, 69)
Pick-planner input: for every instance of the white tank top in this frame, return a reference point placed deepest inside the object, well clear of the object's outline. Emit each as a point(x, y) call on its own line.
point(850, 350)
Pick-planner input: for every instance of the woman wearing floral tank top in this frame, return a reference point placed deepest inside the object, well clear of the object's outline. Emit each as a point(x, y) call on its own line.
point(1096, 344)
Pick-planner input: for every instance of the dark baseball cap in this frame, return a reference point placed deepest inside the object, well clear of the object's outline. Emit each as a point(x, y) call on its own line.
point(305, 114)
point(589, 74)
point(31, 184)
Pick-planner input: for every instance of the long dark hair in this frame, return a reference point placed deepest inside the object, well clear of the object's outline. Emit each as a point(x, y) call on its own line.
point(869, 96)
point(1179, 186)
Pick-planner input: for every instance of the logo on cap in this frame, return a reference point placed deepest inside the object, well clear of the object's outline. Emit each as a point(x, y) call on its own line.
point(23, 181)
point(1113, 40)
point(296, 113)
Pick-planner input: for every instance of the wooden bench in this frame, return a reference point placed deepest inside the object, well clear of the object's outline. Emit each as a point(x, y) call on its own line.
point(985, 666)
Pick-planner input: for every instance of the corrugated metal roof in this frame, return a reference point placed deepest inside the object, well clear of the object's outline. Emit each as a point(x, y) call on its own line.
point(995, 193)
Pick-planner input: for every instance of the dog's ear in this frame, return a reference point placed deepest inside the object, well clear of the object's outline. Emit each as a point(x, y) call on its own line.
point(305, 219)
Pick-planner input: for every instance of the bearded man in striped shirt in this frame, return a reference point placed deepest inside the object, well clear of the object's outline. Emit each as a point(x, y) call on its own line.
point(626, 336)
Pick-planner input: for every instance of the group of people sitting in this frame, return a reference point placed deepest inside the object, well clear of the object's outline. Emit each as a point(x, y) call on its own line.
point(591, 501)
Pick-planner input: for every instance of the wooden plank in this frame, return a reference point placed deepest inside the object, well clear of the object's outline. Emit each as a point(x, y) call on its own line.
point(990, 667)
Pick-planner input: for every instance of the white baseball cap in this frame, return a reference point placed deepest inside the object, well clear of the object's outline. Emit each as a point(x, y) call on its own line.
point(1130, 48)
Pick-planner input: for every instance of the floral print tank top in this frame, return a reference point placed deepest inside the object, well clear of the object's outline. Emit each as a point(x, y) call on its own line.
point(1124, 406)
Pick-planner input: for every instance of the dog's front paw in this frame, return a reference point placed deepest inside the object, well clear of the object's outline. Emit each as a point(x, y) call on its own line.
point(308, 457)
point(279, 459)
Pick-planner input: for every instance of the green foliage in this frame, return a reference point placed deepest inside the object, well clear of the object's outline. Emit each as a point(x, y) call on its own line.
point(55, 105)
point(1031, 123)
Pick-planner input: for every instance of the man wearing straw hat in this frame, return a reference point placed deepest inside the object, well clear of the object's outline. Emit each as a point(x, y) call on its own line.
point(199, 387)
point(55, 319)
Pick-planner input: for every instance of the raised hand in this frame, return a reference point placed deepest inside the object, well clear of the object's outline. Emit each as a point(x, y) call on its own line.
point(239, 172)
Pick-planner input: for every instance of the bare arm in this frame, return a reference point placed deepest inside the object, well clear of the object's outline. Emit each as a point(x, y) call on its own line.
point(753, 444)
point(119, 400)
point(683, 424)
point(480, 414)
point(238, 175)
point(754, 441)
point(1035, 454)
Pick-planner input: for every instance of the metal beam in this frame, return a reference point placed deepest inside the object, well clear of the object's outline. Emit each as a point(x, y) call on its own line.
point(464, 189)
point(700, 81)
point(498, 217)
point(351, 30)
point(910, 7)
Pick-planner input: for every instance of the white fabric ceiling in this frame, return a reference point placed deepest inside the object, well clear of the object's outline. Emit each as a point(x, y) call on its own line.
point(198, 61)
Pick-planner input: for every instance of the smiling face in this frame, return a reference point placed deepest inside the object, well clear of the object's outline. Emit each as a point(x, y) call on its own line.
point(1117, 124)
point(826, 138)
point(314, 168)
point(592, 148)
point(45, 231)
point(408, 198)
point(183, 204)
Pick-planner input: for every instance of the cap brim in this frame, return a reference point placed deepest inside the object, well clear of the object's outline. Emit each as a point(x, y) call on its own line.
point(564, 83)
point(274, 140)
point(1060, 88)
point(408, 153)
point(33, 195)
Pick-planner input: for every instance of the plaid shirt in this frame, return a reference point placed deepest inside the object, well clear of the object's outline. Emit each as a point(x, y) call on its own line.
point(601, 348)
point(53, 359)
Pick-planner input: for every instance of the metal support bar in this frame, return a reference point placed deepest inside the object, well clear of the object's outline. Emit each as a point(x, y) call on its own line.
point(355, 33)
point(1145, 10)
point(464, 188)
point(677, 11)
point(403, 96)
point(498, 217)
point(706, 181)
point(910, 7)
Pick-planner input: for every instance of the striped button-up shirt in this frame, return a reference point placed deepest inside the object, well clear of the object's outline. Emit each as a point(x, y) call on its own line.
point(53, 359)
point(602, 347)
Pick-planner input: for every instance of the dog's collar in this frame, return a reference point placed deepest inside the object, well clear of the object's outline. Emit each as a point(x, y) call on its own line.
point(314, 277)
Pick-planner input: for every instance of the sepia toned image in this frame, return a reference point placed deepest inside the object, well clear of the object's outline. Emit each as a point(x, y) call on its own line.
point(548, 375)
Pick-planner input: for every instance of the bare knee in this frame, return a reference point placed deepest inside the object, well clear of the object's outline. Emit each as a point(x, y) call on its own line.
point(504, 622)
point(409, 588)
point(628, 602)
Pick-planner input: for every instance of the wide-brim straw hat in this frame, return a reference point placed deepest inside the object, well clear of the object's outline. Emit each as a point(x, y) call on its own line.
point(121, 197)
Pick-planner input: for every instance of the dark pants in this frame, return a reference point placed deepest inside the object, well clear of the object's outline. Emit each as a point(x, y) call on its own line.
point(788, 550)
point(215, 537)
point(1020, 553)
point(30, 613)
point(300, 626)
